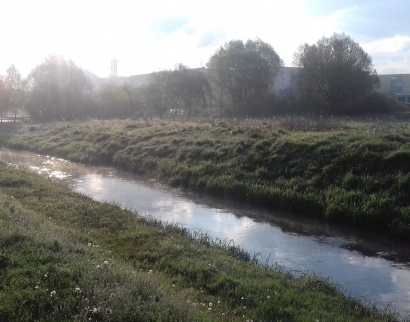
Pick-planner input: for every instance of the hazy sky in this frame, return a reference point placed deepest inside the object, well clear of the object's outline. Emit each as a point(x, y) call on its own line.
point(149, 35)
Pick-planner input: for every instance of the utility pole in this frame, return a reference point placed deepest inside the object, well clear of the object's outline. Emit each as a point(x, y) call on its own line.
point(113, 68)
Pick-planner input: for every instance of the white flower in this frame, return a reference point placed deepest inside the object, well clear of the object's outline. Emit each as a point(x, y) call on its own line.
point(52, 293)
point(268, 297)
point(209, 308)
point(95, 310)
point(150, 271)
point(46, 275)
point(210, 304)
point(89, 244)
point(219, 302)
point(36, 287)
point(223, 314)
point(98, 266)
point(77, 290)
point(105, 262)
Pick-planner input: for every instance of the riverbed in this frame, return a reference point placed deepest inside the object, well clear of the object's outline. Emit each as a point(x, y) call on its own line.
point(368, 266)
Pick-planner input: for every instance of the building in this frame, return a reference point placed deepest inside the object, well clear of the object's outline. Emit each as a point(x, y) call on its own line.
point(396, 86)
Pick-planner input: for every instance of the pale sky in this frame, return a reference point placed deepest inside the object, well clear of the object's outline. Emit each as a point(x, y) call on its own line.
point(152, 35)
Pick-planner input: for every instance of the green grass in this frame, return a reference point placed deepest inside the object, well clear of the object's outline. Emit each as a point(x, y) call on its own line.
point(65, 257)
point(351, 172)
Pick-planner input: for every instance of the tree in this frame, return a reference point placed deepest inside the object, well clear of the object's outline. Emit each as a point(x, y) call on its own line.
point(112, 101)
point(190, 89)
point(244, 71)
point(335, 73)
point(12, 90)
point(182, 89)
point(58, 90)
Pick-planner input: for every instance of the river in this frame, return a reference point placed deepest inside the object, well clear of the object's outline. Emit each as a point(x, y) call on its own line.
point(368, 266)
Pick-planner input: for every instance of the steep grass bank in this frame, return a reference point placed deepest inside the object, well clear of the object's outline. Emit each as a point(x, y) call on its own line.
point(356, 173)
point(65, 257)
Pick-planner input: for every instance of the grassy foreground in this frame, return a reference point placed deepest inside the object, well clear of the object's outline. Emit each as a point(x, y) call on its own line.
point(356, 173)
point(65, 257)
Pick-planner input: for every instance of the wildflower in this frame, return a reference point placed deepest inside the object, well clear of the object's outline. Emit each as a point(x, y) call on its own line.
point(223, 314)
point(77, 290)
point(46, 275)
point(268, 297)
point(95, 310)
point(150, 271)
point(52, 293)
point(89, 244)
point(105, 262)
point(219, 302)
point(173, 285)
point(209, 308)
point(210, 304)
point(108, 311)
point(36, 287)
point(98, 266)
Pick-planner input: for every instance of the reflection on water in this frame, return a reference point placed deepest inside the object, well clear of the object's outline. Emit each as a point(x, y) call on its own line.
point(366, 265)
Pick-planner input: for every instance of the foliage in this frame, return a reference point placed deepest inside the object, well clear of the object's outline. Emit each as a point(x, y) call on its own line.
point(113, 101)
point(335, 74)
point(181, 91)
point(58, 91)
point(12, 90)
point(244, 71)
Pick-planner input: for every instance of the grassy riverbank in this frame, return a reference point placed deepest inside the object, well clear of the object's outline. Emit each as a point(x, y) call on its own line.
point(65, 257)
point(356, 173)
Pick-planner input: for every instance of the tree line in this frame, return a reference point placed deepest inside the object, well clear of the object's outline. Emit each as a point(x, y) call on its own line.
point(335, 76)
